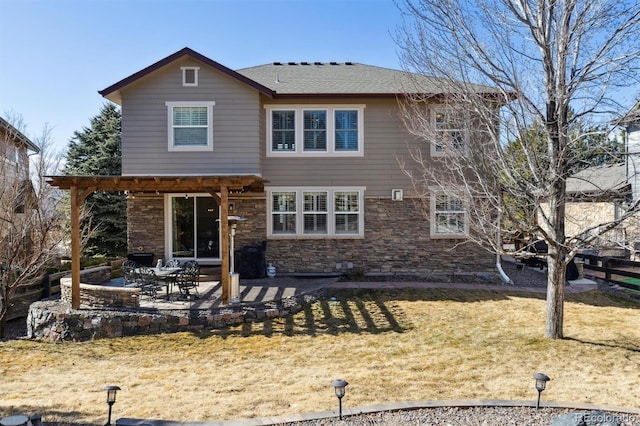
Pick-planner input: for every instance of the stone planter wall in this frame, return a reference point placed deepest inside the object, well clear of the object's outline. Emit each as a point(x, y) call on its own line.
point(94, 295)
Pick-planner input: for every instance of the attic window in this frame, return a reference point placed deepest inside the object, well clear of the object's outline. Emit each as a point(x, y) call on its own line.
point(189, 76)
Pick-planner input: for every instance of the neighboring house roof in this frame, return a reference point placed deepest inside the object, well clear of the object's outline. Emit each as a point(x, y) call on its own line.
point(599, 182)
point(632, 117)
point(290, 79)
point(17, 135)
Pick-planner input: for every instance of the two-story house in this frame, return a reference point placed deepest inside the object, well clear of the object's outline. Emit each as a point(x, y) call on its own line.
point(318, 146)
point(15, 184)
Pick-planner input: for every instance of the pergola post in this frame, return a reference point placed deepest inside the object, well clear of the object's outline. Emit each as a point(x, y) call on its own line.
point(224, 236)
point(75, 249)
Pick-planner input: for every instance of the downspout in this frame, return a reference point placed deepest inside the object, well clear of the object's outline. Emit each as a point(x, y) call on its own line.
point(503, 276)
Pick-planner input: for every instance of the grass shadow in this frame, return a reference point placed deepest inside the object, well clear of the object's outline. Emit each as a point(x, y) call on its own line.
point(335, 316)
point(376, 311)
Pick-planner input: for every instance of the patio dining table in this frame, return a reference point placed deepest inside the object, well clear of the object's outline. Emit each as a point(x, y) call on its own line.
point(165, 274)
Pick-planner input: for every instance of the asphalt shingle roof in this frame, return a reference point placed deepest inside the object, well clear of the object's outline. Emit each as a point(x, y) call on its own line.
point(339, 78)
point(599, 180)
point(312, 79)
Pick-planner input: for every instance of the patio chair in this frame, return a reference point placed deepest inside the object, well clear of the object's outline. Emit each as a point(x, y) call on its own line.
point(148, 282)
point(193, 267)
point(187, 280)
point(172, 263)
point(170, 279)
point(129, 274)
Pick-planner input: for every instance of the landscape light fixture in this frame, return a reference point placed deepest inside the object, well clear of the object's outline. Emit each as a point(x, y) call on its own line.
point(339, 385)
point(541, 384)
point(111, 399)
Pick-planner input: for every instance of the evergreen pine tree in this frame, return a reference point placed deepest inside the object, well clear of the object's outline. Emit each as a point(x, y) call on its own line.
point(97, 150)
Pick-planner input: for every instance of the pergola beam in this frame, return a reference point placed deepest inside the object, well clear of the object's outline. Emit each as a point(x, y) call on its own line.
point(165, 184)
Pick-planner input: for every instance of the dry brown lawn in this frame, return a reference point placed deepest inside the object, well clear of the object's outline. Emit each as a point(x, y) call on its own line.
point(389, 345)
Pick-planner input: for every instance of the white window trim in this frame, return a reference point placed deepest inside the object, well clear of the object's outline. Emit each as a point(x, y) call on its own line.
point(184, 76)
point(331, 232)
point(168, 224)
point(299, 130)
point(432, 219)
point(188, 148)
point(434, 111)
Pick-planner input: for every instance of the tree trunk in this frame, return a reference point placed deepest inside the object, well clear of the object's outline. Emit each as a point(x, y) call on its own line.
point(555, 295)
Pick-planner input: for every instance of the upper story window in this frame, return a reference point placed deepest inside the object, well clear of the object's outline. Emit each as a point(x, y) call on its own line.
point(346, 130)
point(190, 126)
point(283, 131)
point(316, 212)
point(315, 130)
point(448, 216)
point(448, 124)
point(190, 76)
point(306, 131)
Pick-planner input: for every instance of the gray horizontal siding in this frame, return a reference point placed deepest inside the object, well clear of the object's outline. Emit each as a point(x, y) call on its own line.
point(379, 170)
point(235, 124)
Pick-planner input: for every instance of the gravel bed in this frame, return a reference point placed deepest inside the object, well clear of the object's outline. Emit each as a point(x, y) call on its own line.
point(476, 416)
point(525, 277)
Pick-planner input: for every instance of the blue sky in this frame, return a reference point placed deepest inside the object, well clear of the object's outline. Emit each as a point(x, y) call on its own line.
point(56, 54)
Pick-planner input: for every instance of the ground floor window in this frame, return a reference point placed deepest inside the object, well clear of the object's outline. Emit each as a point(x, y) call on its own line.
point(315, 212)
point(448, 215)
point(194, 227)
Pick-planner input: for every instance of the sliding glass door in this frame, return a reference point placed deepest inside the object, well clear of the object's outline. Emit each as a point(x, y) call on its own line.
point(195, 229)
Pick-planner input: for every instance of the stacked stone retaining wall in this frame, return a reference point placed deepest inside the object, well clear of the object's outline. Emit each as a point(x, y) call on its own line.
point(53, 320)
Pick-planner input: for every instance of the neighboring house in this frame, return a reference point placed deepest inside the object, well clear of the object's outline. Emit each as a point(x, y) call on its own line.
point(596, 197)
point(323, 137)
point(600, 195)
point(15, 185)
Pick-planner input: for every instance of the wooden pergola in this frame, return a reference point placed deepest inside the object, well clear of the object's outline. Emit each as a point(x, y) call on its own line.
point(217, 186)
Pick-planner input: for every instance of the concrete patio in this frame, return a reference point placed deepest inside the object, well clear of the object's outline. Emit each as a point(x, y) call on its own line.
point(252, 291)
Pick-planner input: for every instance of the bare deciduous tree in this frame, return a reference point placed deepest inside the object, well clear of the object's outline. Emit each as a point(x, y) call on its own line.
point(511, 66)
point(30, 221)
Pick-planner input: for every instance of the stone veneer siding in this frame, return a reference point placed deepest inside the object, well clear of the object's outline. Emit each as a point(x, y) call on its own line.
point(397, 240)
point(145, 224)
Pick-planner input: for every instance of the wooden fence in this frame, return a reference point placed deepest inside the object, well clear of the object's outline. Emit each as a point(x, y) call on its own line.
point(37, 289)
point(625, 273)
